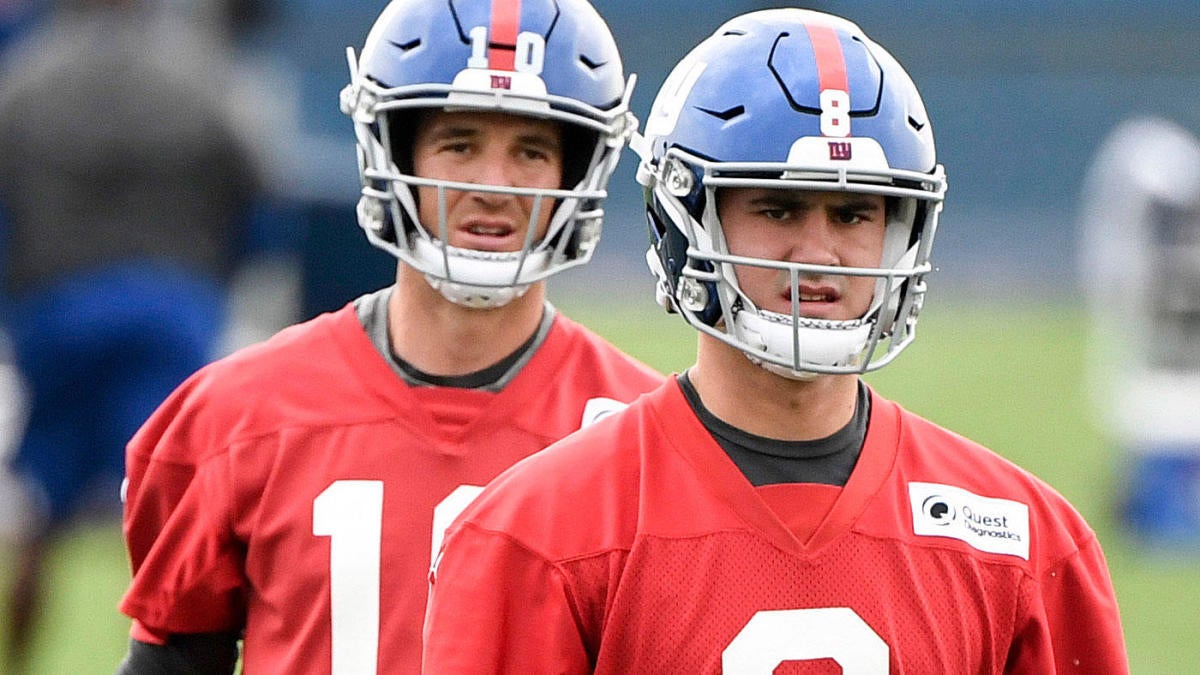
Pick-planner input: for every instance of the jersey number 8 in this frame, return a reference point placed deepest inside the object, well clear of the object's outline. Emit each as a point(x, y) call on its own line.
point(773, 637)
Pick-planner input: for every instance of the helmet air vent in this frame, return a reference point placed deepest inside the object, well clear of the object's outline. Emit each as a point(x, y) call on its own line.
point(726, 115)
point(406, 46)
point(591, 65)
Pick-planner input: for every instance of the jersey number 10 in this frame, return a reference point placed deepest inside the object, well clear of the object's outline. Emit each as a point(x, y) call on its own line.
point(350, 513)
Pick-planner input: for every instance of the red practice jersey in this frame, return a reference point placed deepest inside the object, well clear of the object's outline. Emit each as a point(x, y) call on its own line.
point(637, 546)
point(292, 489)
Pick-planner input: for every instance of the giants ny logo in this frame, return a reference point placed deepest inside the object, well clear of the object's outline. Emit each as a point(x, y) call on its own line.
point(839, 150)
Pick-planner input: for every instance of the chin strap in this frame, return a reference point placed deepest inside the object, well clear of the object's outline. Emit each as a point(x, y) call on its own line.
point(835, 344)
point(475, 279)
point(662, 293)
point(476, 297)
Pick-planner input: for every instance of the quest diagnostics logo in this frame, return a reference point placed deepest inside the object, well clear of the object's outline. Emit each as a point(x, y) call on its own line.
point(988, 524)
point(938, 509)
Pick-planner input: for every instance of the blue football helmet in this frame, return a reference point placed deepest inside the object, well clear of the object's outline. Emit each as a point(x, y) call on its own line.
point(789, 99)
point(550, 59)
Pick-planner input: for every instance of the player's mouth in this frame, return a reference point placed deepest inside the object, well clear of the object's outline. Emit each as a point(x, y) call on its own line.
point(815, 301)
point(488, 236)
point(817, 297)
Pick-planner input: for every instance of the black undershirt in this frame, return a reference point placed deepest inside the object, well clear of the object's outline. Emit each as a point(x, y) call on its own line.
point(372, 311)
point(768, 461)
point(184, 654)
point(480, 379)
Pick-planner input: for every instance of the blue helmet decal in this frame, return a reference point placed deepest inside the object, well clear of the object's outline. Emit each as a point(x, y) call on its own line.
point(796, 56)
point(564, 42)
point(761, 89)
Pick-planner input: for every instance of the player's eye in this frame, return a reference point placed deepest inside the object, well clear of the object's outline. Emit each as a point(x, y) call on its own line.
point(535, 153)
point(851, 215)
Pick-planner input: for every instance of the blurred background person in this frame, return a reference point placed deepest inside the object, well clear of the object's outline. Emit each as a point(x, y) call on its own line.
point(12, 425)
point(127, 198)
point(16, 16)
point(1140, 268)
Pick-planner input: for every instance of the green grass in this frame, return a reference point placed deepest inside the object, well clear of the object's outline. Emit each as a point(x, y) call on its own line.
point(1008, 376)
point(81, 631)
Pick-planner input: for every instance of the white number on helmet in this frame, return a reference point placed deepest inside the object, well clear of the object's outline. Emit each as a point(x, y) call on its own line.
point(835, 113)
point(479, 44)
point(530, 56)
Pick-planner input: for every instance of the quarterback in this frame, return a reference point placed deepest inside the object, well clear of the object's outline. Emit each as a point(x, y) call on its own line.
point(766, 509)
point(291, 496)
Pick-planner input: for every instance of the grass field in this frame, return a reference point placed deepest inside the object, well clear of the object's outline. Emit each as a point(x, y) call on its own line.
point(1009, 377)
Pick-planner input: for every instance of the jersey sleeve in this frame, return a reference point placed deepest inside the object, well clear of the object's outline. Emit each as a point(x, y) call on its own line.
point(187, 576)
point(495, 606)
point(1074, 625)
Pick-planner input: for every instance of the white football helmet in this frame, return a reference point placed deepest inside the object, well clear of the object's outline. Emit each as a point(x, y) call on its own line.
point(550, 59)
point(798, 100)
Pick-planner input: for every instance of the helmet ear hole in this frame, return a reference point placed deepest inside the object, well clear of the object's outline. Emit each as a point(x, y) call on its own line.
point(401, 135)
point(578, 153)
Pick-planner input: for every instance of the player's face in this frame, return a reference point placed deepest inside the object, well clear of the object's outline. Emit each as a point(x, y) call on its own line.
point(493, 149)
point(818, 228)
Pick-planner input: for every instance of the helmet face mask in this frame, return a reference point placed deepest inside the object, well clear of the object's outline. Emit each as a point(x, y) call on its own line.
point(552, 60)
point(789, 100)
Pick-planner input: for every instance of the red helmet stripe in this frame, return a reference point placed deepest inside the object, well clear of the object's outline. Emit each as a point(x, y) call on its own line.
point(506, 22)
point(831, 63)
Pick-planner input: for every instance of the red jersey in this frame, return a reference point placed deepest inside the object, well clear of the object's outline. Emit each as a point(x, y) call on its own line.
point(636, 546)
point(291, 489)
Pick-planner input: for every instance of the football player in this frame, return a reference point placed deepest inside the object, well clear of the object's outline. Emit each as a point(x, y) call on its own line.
point(766, 507)
point(292, 494)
